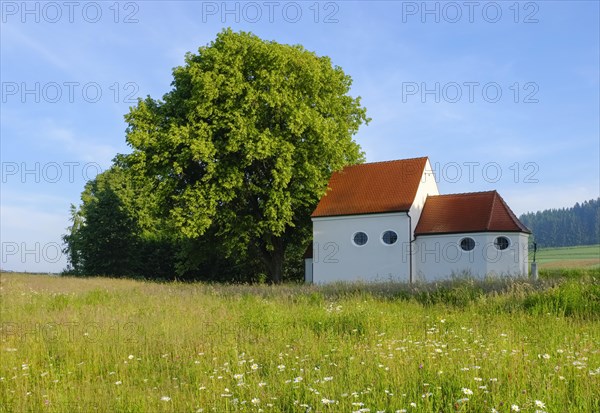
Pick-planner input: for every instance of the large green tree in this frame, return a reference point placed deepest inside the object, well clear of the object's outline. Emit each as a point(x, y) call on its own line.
point(115, 231)
point(245, 143)
point(101, 239)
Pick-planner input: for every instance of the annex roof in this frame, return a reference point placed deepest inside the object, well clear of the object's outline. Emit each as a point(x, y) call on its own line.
point(370, 188)
point(470, 212)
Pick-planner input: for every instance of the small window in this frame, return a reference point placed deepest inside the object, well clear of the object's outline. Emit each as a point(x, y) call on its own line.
point(360, 238)
point(501, 243)
point(467, 244)
point(389, 237)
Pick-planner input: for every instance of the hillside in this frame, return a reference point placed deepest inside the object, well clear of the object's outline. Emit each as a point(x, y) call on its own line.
point(578, 225)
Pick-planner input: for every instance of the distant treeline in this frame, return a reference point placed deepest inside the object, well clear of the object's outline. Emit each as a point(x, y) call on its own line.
point(579, 225)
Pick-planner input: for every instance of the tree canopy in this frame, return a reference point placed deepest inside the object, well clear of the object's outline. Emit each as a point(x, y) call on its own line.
point(115, 232)
point(239, 152)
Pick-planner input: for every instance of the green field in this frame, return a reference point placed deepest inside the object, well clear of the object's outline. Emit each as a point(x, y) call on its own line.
point(108, 345)
point(587, 256)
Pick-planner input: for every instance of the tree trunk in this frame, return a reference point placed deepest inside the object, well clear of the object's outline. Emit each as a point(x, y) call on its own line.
point(277, 267)
point(273, 259)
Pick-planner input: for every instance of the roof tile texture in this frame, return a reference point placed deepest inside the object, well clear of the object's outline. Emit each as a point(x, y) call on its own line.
point(372, 188)
point(471, 212)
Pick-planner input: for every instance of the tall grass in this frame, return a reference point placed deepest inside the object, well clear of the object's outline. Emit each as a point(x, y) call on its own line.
point(84, 345)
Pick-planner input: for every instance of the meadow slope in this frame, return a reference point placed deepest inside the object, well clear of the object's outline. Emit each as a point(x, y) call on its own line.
point(583, 256)
point(110, 345)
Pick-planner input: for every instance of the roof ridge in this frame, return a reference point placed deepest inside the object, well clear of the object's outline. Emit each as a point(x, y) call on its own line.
point(489, 222)
point(512, 215)
point(467, 193)
point(390, 161)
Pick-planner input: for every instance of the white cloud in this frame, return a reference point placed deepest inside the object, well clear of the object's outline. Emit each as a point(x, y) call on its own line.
point(18, 39)
point(80, 146)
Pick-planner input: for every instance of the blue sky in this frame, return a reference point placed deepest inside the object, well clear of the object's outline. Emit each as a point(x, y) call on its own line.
point(499, 95)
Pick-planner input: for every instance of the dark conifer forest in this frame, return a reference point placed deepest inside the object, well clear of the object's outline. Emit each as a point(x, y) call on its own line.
point(578, 225)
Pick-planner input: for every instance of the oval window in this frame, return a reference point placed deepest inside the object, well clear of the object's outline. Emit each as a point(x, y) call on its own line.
point(360, 238)
point(501, 243)
point(467, 244)
point(389, 237)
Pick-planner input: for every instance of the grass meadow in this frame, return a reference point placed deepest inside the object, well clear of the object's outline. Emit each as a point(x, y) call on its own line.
point(587, 256)
point(114, 345)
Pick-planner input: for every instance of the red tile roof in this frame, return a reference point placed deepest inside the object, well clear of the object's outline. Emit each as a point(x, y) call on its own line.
point(372, 187)
point(471, 212)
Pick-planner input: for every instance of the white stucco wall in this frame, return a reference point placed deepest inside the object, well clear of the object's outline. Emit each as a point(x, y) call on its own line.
point(337, 258)
point(308, 270)
point(436, 257)
point(428, 186)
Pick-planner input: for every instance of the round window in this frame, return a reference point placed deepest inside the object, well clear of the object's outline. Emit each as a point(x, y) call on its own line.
point(501, 243)
point(467, 244)
point(389, 237)
point(360, 238)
